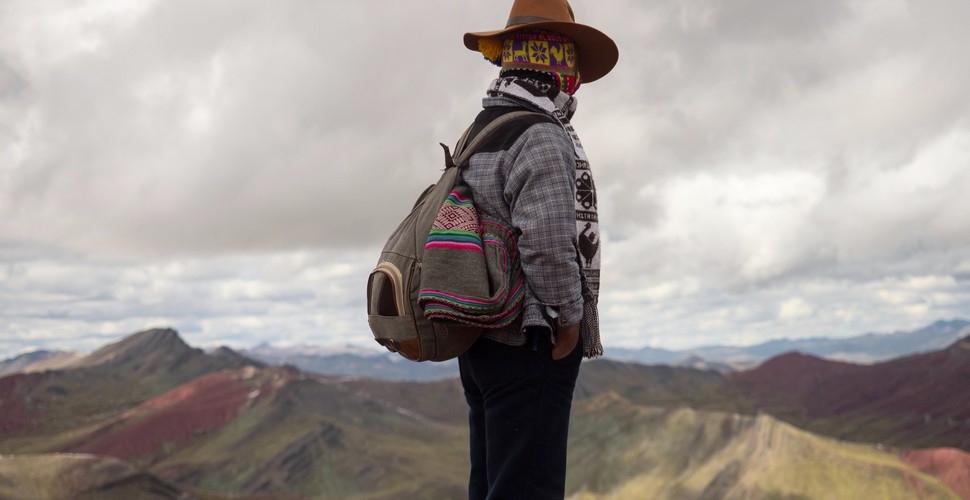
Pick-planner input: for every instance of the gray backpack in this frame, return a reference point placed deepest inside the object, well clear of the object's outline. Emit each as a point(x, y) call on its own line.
point(393, 313)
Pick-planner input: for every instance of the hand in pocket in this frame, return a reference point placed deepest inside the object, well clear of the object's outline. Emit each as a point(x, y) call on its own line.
point(567, 337)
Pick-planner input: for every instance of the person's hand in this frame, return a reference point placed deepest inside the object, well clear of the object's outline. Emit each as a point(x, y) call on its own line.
point(567, 336)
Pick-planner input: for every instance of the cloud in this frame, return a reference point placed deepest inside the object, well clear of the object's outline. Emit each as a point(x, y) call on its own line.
point(814, 104)
point(211, 164)
point(794, 308)
point(56, 301)
point(254, 127)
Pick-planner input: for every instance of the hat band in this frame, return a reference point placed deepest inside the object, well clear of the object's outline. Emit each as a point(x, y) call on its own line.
point(517, 20)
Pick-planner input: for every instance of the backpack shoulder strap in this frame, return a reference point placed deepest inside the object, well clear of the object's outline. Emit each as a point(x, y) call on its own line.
point(467, 145)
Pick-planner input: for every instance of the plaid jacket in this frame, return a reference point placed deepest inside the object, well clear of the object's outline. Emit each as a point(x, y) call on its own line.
point(527, 177)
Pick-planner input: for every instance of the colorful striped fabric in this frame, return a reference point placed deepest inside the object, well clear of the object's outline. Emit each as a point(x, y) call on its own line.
point(470, 272)
point(456, 226)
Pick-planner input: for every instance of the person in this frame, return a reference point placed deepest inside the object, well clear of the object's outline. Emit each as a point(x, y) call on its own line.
point(519, 381)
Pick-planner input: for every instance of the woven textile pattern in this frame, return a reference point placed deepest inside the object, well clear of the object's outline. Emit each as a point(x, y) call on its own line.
point(456, 226)
point(544, 52)
point(472, 274)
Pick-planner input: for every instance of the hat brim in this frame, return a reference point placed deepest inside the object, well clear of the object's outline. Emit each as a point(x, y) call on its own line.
point(597, 52)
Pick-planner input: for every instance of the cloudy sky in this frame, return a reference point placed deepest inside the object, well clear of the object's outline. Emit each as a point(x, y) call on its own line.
point(230, 168)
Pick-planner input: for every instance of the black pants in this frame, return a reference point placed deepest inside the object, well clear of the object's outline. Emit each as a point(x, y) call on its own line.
point(519, 401)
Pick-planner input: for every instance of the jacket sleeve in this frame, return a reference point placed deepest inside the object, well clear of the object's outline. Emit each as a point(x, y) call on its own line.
point(540, 190)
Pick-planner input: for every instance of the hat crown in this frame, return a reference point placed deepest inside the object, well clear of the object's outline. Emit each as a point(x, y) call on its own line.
point(597, 53)
point(537, 11)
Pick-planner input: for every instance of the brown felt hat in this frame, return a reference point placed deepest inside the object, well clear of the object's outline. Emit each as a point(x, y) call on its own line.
point(597, 52)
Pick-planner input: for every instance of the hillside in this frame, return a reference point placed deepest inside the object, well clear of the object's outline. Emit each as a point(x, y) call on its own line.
point(89, 477)
point(916, 401)
point(251, 430)
point(317, 436)
point(111, 380)
point(618, 450)
point(237, 428)
point(625, 451)
point(37, 361)
point(663, 386)
point(949, 465)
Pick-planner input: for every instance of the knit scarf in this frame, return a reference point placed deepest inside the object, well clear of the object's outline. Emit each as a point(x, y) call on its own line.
point(561, 106)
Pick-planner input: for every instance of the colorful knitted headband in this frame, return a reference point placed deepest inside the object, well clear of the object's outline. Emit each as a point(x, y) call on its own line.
point(537, 51)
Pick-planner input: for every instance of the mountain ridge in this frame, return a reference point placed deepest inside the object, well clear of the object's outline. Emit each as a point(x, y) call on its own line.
point(630, 451)
point(358, 361)
point(919, 400)
point(112, 379)
point(862, 349)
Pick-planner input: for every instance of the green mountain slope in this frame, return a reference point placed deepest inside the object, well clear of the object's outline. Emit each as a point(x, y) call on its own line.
point(80, 477)
point(623, 451)
point(316, 436)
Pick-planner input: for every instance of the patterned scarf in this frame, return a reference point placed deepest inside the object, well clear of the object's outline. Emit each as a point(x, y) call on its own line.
point(561, 106)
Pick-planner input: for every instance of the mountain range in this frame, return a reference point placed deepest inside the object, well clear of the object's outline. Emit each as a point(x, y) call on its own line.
point(867, 348)
point(151, 417)
point(352, 361)
point(372, 362)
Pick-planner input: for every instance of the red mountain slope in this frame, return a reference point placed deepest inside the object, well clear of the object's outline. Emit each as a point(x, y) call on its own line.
point(16, 415)
point(949, 465)
point(113, 379)
point(175, 418)
point(919, 400)
point(797, 379)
